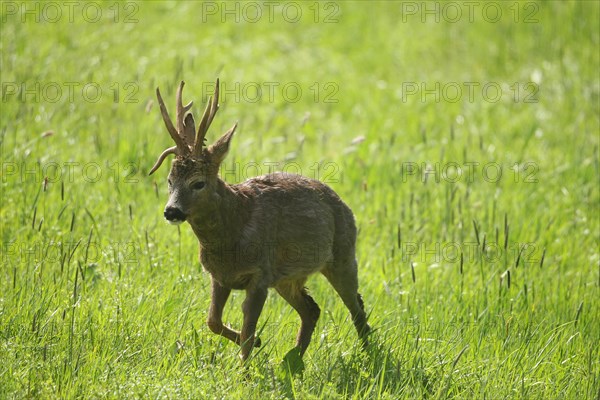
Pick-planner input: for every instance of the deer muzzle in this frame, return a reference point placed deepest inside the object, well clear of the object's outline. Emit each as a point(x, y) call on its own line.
point(174, 215)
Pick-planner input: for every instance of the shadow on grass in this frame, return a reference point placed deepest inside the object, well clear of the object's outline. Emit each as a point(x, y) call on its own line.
point(373, 371)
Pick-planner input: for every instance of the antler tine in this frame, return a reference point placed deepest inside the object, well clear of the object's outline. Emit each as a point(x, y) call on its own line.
point(200, 136)
point(181, 110)
point(161, 158)
point(209, 114)
point(189, 130)
point(181, 146)
point(214, 107)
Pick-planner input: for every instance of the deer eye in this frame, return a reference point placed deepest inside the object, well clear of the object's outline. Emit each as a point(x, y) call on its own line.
point(197, 185)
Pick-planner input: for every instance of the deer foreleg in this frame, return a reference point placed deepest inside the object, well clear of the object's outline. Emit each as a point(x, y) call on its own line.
point(252, 307)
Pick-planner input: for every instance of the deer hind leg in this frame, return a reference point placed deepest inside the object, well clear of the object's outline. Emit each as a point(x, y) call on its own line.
point(219, 296)
point(344, 279)
point(296, 294)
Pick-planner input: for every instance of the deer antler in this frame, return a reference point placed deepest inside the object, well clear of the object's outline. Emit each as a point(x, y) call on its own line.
point(209, 114)
point(180, 135)
point(175, 135)
point(187, 141)
point(161, 158)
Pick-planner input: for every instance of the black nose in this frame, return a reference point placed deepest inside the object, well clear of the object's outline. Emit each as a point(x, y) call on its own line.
point(174, 214)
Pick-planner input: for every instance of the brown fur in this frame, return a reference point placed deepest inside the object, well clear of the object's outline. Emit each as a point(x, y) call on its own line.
point(271, 231)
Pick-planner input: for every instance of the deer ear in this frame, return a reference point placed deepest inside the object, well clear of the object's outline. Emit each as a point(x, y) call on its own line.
point(218, 150)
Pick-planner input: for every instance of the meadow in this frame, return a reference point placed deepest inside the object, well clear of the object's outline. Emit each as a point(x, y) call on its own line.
point(463, 135)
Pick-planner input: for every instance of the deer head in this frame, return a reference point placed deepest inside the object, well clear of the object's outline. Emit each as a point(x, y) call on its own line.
point(193, 179)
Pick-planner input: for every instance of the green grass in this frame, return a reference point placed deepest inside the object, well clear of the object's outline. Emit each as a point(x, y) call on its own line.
point(99, 298)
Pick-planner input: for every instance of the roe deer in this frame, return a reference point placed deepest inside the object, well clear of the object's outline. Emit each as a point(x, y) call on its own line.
point(269, 231)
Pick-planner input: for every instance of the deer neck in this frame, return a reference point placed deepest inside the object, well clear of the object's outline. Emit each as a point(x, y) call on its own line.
point(221, 225)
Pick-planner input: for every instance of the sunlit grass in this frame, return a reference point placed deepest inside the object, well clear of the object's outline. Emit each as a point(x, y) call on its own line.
point(481, 283)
